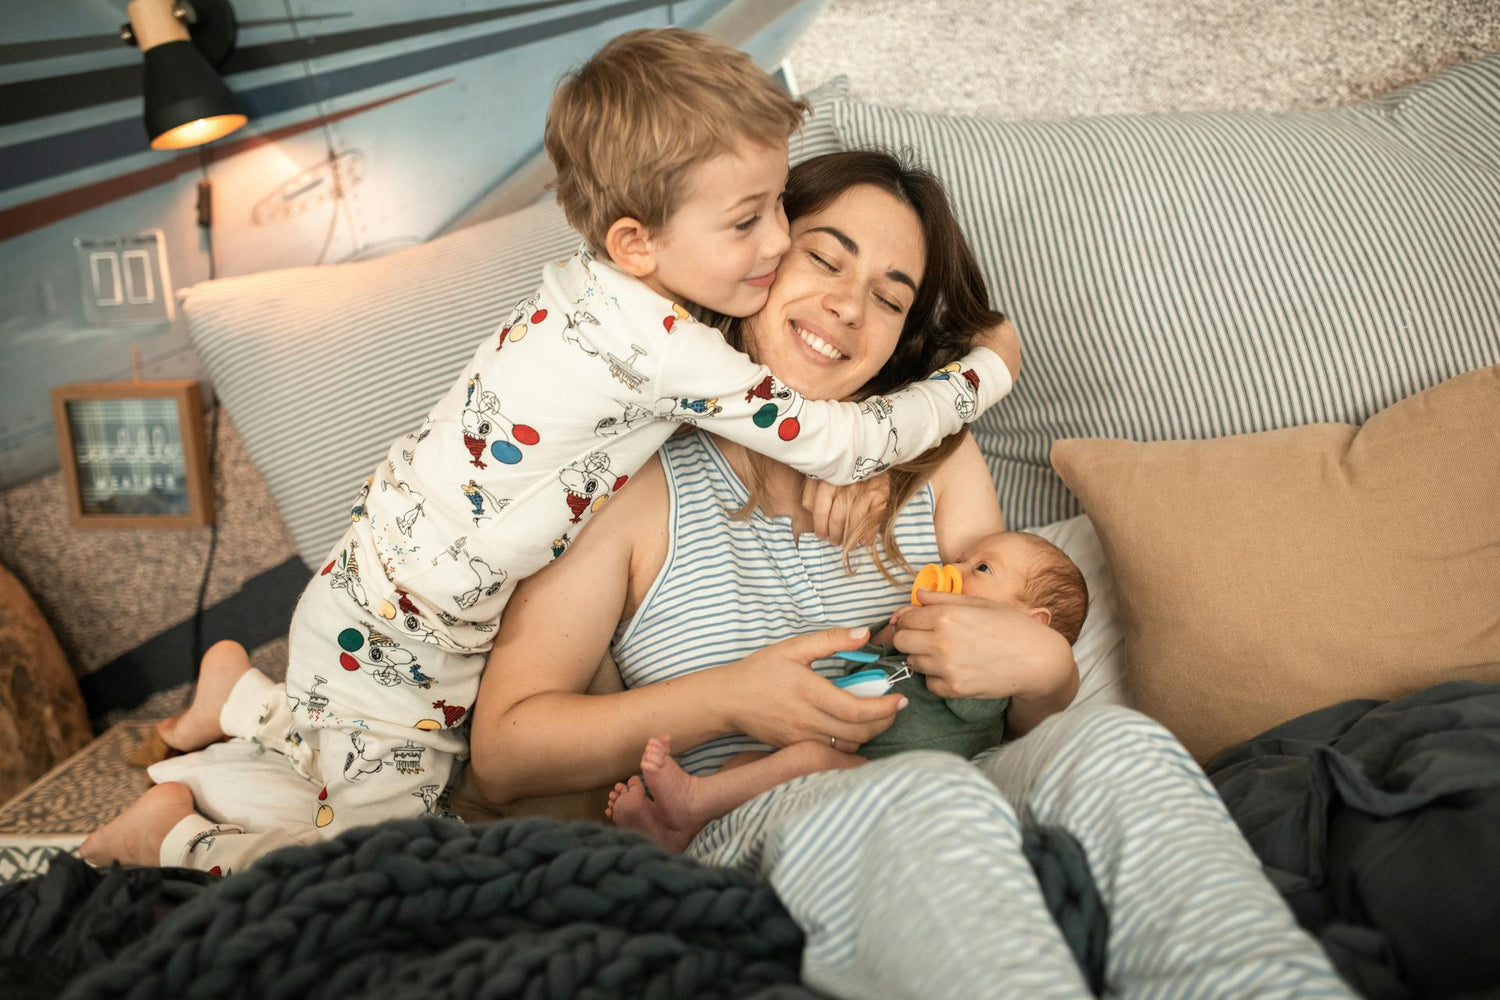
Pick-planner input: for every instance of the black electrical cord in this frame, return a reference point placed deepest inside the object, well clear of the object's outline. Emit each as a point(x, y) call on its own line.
point(213, 536)
point(205, 219)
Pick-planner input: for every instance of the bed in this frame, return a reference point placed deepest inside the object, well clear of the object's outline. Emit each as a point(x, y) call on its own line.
point(1260, 408)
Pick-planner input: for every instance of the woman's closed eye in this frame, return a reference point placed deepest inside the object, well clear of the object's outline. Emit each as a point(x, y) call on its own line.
point(823, 262)
point(748, 224)
point(832, 268)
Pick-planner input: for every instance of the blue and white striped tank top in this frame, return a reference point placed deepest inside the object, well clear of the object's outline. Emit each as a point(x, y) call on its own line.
point(729, 588)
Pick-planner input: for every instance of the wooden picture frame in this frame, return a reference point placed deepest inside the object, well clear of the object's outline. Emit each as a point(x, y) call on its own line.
point(134, 454)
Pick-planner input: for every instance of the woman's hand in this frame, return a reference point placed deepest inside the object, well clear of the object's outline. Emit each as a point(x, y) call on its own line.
point(836, 510)
point(779, 699)
point(969, 647)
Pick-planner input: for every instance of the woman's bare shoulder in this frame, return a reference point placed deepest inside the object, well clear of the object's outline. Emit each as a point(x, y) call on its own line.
point(630, 530)
point(637, 506)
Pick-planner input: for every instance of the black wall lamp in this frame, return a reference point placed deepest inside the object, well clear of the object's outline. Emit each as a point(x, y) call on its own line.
point(187, 104)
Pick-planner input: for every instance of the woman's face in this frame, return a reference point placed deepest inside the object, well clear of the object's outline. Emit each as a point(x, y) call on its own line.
point(841, 295)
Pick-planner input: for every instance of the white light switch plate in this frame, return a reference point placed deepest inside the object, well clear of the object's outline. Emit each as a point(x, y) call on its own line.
point(125, 280)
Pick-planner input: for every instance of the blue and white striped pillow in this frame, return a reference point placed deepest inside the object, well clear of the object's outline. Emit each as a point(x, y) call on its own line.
point(820, 134)
point(1197, 275)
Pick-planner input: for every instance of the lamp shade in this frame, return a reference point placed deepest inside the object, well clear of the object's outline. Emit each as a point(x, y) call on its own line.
point(186, 102)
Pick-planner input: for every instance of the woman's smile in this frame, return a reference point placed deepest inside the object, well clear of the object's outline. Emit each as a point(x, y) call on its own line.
point(817, 343)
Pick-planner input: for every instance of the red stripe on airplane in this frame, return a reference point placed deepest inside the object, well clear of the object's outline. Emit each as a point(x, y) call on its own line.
point(54, 208)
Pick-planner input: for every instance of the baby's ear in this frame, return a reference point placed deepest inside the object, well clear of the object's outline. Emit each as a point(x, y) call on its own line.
point(630, 246)
point(1043, 615)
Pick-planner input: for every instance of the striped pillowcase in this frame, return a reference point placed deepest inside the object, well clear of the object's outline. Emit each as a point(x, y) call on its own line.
point(1201, 274)
point(819, 133)
point(321, 368)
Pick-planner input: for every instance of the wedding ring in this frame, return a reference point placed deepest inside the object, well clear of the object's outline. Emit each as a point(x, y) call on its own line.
point(833, 742)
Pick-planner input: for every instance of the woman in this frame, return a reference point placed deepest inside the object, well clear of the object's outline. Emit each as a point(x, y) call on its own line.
point(906, 874)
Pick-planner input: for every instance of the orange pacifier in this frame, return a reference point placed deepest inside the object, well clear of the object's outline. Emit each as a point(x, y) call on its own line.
point(943, 579)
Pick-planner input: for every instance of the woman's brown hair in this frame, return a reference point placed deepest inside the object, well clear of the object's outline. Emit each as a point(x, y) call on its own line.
point(951, 306)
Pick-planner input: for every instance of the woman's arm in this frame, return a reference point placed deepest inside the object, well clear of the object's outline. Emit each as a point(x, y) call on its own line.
point(973, 648)
point(536, 733)
point(965, 508)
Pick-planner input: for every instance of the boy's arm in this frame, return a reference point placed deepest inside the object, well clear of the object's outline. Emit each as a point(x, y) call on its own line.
point(701, 379)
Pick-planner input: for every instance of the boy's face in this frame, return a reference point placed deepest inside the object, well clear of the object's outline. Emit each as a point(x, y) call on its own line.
point(721, 247)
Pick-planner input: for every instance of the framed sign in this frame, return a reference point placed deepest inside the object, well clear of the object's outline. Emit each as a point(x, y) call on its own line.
point(133, 454)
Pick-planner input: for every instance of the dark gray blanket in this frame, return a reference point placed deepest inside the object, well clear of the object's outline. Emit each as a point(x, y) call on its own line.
point(1379, 822)
point(436, 909)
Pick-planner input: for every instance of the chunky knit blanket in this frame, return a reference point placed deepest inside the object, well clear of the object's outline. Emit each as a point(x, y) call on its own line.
point(436, 909)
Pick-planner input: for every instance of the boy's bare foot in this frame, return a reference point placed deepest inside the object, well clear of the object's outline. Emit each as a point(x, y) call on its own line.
point(671, 816)
point(223, 665)
point(134, 837)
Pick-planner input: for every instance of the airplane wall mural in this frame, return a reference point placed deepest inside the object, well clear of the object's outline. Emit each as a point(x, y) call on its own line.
point(373, 125)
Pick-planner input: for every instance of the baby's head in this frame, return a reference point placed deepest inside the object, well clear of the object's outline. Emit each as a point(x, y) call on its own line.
point(1028, 572)
point(670, 149)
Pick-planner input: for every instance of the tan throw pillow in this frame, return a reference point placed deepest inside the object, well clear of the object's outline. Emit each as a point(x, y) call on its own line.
point(1262, 576)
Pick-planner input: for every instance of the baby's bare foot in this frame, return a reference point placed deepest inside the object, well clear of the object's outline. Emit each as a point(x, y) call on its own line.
point(223, 665)
point(614, 795)
point(134, 837)
point(669, 816)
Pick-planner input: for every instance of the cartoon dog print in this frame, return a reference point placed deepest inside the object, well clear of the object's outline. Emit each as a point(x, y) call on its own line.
point(409, 617)
point(488, 582)
point(484, 424)
point(346, 576)
point(864, 468)
point(429, 796)
point(589, 482)
point(387, 662)
point(416, 437)
point(768, 389)
point(781, 407)
point(524, 316)
point(633, 415)
point(356, 765)
point(575, 322)
point(965, 384)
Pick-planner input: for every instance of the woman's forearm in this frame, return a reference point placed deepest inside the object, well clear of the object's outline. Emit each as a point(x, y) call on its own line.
point(555, 742)
point(1053, 688)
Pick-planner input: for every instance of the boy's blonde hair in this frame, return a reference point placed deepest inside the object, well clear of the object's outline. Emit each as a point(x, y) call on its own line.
point(626, 127)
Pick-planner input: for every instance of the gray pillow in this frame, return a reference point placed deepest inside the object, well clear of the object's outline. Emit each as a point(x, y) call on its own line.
point(1197, 275)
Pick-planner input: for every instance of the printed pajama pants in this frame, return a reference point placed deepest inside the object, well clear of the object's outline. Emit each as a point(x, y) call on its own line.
point(302, 767)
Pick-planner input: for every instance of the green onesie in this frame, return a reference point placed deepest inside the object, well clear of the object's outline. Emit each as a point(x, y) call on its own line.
point(963, 726)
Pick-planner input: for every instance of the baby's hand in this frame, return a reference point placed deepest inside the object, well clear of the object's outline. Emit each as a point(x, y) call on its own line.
point(837, 510)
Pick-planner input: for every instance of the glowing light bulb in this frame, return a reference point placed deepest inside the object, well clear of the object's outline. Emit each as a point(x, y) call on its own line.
point(197, 132)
